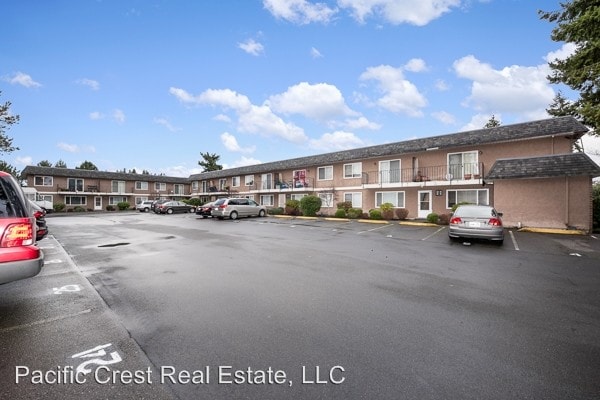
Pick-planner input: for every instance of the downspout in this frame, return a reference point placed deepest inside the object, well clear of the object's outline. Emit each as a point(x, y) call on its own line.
point(567, 201)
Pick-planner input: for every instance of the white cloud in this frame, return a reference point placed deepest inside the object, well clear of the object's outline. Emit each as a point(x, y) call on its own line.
point(479, 121)
point(416, 12)
point(563, 53)
point(361, 123)
point(242, 162)
point(441, 85)
point(96, 115)
point(320, 101)
point(444, 117)
point(516, 89)
point(92, 84)
point(253, 47)
point(231, 144)
point(314, 53)
point(300, 11)
point(335, 141)
point(22, 79)
point(119, 116)
point(222, 118)
point(399, 95)
point(165, 122)
point(24, 160)
point(70, 148)
point(416, 65)
point(251, 118)
point(179, 171)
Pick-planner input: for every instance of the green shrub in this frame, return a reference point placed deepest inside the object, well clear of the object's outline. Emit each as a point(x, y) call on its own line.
point(123, 205)
point(309, 205)
point(110, 207)
point(79, 209)
point(275, 211)
point(344, 205)
point(195, 201)
point(58, 207)
point(401, 213)
point(433, 218)
point(340, 213)
point(387, 211)
point(292, 207)
point(375, 214)
point(596, 207)
point(354, 213)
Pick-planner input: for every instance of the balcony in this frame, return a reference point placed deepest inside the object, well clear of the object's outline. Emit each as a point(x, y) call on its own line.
point(431, 175)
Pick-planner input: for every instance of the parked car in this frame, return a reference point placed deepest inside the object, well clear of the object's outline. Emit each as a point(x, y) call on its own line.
point(205, 210)
point(476, 222)
point(156, 203)
point(172, 207)
point(236, 207)
point(40, 220)
point(20, 257)
point(144, 206)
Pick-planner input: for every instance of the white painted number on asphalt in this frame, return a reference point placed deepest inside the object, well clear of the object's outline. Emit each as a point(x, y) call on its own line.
point(66, 288)
point(97, 352)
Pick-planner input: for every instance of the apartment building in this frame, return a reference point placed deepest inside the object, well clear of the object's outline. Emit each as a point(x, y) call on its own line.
point(94, 190)
point(527, 171)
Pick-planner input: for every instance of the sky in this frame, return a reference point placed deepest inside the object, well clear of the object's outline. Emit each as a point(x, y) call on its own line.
point(152, 84)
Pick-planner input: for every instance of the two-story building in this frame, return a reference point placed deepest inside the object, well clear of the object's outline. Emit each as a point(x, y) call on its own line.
point(94, 190)
point(527, 171)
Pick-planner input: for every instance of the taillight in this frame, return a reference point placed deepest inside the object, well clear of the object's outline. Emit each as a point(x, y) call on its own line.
point(223, 206)
point(16, 235)
point(455, 220)
point(38, 214)
point(495, 222)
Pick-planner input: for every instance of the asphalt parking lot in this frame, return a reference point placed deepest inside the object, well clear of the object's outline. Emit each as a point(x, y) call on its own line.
point(304, 308)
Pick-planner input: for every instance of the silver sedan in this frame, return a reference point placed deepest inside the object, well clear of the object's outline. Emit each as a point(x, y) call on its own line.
point(476, 222)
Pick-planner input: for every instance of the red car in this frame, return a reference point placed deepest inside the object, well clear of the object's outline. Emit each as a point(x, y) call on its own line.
point(20, 258)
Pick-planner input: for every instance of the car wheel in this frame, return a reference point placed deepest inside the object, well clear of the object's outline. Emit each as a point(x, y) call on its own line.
point(261, 213)
point(233, 215)
point(205, 216)
point(146, 209)
point(169, 211)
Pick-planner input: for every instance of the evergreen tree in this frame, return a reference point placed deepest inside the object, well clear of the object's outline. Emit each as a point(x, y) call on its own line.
point(210, 162)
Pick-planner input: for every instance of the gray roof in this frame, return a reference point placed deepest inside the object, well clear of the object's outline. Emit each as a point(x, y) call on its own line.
point(572, 164)
point(568, 126)
point(88, 174)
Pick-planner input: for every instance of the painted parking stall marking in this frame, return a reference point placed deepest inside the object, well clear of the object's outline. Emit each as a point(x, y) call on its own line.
point(66, 289)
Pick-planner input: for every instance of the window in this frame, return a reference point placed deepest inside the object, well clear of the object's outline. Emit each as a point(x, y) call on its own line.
point(75, 200)
point(354, 198)
point(249, 180)
point(389, 171)
point(139, 185)
point(223, 184)
point(195, 186)
point(326, 199)
point(325, 173)
point(396, 198)
point(139, 200)
point(461, 164)
point(297, 196)
point(353, 170)
point(160, 186)
point(205, 187)
point(45, 197)
point(473, 196)
point(235, 181)
point(179, 189)
point(117, 186)
point(266, 181)
point(114, 200)
point(43, 181)
point(75, 185)
point(266, 200)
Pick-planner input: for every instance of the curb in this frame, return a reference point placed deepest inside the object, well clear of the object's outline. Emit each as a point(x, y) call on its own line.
point(553, 231)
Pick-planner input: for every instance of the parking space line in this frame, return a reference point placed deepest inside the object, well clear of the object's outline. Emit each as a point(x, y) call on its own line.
point(514, 240)
point(44, 321)
point(439, 230)
point(373, 229)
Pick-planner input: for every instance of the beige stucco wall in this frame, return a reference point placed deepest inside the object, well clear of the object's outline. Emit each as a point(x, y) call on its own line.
point(545, 203)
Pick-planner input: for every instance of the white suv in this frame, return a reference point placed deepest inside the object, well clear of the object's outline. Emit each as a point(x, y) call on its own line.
point(144, 206)
point(236, 207)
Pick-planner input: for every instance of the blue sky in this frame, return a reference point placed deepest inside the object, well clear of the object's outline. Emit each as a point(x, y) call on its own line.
point(150, 84)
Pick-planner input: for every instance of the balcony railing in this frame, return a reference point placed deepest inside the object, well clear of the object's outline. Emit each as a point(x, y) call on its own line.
point(448, 173)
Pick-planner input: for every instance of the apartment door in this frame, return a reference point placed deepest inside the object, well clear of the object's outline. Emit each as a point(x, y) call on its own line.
point(97, 203)
point(424, 203)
